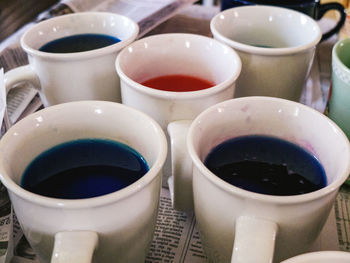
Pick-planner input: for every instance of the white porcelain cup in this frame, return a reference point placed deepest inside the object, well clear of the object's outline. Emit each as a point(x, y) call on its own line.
point(241, 226)
point(321, 257)
point(173, 54)
point(276, 46)
point(64, 77)
point(116, 227)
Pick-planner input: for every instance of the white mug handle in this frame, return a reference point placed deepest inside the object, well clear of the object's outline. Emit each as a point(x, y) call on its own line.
point(21, 74)
point(254, 237)
point(16, 76)
point(254, 240)
point(180, 181)
point(74, 246)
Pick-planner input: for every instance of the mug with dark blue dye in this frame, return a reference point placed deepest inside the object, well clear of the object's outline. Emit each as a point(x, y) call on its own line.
point(313, 8)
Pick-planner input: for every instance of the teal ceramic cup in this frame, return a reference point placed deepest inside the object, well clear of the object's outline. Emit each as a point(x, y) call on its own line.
point(339, 102)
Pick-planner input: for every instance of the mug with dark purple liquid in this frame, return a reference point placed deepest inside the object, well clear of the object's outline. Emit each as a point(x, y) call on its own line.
point(312, 8)
point(240, 217)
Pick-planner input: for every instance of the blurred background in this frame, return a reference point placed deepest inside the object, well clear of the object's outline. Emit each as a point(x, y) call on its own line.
point(16, 13)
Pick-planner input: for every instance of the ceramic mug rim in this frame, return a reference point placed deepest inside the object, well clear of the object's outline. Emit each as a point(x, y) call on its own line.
point(176, 94)
point(234, 190)
point(330, 255)
point(262, 50)
point(102, 200)
point(79, 55)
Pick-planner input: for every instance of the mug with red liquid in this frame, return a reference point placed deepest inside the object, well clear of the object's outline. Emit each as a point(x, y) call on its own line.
point(172, 78)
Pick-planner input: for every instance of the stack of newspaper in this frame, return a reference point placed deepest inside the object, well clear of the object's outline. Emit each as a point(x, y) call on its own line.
point(176, 238)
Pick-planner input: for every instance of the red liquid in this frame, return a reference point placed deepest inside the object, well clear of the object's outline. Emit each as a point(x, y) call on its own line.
point(178, 83)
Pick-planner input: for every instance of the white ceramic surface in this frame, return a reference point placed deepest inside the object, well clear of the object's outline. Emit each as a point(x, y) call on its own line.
point(169, 54)
point(321, 257)
point(276, 45)
point(262, 226)
point(120, 225)
point(65, 77)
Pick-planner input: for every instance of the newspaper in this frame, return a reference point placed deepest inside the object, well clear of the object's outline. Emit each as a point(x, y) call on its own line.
point(6, 236)
point(176, 238)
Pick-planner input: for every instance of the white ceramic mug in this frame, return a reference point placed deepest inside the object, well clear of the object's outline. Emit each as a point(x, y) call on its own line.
point(276, 46)
point(171, 54)
point(241, 226)
point(64, 77)
point(321, 257)
point(118, 226)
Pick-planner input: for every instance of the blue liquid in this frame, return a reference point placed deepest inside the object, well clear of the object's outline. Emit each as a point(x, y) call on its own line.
point(79, 43)
point(84, 168)
point(266, 165)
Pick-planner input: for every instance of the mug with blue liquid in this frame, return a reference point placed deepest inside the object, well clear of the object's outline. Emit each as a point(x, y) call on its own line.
point(312, 8)
point(71, 57)
point(84, 179)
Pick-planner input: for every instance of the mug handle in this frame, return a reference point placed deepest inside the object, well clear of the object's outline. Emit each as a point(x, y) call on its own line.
point(332, 6)
point(254, 240)
point(180, 181)
point(74, 246)
point(19, 75)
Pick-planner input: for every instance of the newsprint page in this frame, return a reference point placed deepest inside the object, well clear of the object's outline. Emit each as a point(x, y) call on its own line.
point(176, 238)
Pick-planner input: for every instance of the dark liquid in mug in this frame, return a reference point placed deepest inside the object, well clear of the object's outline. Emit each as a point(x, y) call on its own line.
point(266, 165)
point(263, 46)
point(79, 43)
point(275, 2)
point(179, 83)
point(84, 168)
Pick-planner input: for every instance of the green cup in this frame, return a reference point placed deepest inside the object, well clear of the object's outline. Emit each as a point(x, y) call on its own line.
point(339, 102)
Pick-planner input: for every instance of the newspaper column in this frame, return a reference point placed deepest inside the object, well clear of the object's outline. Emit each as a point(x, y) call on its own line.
point(6, 248)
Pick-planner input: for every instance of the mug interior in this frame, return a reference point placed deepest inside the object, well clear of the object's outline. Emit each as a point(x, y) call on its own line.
point(265, 27)
point(275, 117)
point(79, 23)
point(80, 120)
point(178, 54)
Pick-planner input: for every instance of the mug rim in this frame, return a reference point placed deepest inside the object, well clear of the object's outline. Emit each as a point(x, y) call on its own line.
point(329, 254)
point(231, 189)
point(180, 94)
point(101, 200)
point(84, 54)
point(263, 50)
